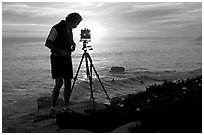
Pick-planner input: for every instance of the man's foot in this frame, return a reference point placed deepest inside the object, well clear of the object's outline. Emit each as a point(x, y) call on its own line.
point(52, 111)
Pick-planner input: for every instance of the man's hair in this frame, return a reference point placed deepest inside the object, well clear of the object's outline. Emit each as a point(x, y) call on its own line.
point(73, 17)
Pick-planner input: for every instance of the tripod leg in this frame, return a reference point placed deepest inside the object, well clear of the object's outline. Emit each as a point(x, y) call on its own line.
point(102, 84)
point(87, 66)
point(75, 78)
point(91, 84)
point(99, 79)
point(89, 75)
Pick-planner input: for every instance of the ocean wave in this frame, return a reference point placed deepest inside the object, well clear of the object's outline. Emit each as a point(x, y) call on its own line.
point(132, 80)
point(115, 85)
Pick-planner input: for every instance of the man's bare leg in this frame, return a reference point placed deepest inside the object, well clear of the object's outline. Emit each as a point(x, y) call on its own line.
point(67, 91)
point(56, 90)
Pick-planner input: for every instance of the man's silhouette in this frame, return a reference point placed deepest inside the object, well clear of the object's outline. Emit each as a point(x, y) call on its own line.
point(60, 41)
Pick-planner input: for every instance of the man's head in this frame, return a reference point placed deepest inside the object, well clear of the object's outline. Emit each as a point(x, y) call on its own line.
point(73, 19)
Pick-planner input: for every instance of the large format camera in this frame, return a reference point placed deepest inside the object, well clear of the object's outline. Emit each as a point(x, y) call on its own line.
point(85, 35)
point(85, 38)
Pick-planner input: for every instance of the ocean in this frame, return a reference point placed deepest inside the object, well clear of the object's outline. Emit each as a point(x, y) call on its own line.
point(26, 68)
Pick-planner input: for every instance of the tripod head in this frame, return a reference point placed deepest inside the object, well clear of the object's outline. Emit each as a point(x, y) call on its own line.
point(85, 38)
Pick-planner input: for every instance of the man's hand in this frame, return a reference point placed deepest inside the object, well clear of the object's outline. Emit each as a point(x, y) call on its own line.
point(73, 47)
point(65, 53)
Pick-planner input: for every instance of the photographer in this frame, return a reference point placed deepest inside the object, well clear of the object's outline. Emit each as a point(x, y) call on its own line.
point(60, 41)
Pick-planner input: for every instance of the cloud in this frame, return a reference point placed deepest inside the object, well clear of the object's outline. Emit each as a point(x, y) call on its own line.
point(152, 12)
point(24, 27)
point(41, 11)
point(158, 16)
point(127, 17)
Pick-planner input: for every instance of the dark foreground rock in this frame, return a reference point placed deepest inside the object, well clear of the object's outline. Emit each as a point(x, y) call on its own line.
point(171, 107)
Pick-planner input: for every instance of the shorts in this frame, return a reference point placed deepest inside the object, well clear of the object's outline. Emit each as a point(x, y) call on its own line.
point(61, 67)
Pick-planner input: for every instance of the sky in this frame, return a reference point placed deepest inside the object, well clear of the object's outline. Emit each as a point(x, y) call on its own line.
point(105, 19)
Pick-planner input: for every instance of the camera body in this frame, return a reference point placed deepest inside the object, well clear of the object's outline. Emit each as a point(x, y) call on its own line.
point(85, 35)
point(85, 38)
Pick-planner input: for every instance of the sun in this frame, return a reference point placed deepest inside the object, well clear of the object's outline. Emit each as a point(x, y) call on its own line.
point(97, 30)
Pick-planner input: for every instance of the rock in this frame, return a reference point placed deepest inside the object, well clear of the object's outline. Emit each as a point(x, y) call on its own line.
point(117, 69)
point(86, 105)
point(127, 128)
point(115, 101)
point(74, 131)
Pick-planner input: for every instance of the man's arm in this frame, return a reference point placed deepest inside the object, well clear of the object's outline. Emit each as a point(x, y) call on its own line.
point(51, 46)
point(73, 45)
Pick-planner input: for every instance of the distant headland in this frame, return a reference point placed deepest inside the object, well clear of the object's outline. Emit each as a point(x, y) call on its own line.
point(199, 38)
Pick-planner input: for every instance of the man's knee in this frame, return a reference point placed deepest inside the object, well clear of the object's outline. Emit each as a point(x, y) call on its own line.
point(58, 82)
point(67, 82)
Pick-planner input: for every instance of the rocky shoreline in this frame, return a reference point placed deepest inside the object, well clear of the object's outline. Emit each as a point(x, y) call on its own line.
point(170, 107)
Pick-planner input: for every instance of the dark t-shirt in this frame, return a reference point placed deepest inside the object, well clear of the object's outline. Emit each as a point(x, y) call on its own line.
point(63, 38)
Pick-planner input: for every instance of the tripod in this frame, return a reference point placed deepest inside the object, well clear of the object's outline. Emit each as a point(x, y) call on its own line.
point(89, 69)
